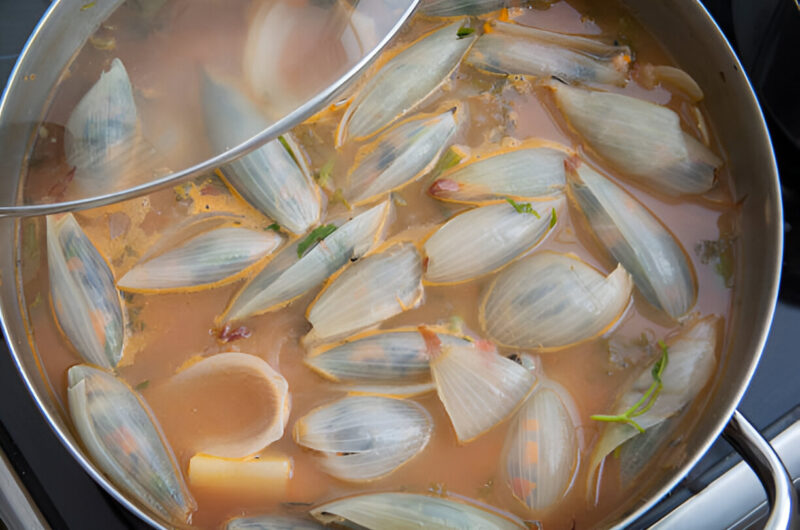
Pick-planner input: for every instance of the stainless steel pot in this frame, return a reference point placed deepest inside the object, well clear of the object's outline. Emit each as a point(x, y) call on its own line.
point(696, 43)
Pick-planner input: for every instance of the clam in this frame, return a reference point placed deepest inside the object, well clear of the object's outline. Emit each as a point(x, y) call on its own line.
point(274, 178)
point(640, 242)
point(367, 293)
point(486, 239)
point(400, 156)
point(362, 438)
point(207, 259)
point(121, 435)
point(85, 301)
point(288, 276)
point(551, 300)
point(404, 511)
point(403, 82)
point(541, 452)
point(511, 48)
point(478, 387)
point(451, 8)
point(642, 139)
point(531, 172)
point(271, 522)
point(662, 389)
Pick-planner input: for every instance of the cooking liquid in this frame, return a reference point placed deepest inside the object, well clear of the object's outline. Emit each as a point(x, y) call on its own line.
point(168, 331)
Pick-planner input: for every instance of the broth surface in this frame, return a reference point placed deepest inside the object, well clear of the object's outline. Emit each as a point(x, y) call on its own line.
point(166, 332)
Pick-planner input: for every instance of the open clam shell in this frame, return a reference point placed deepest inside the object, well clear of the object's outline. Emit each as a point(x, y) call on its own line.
point(640, 242)
point(271, 522)
point(363, 438)
point(85, 301)
point(452, 8)
point(551, 300)
point(124, 440)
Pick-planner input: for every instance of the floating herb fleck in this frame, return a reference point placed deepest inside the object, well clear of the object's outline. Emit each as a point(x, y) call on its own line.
point(275, 227)
point(338, 196)
point(647, 400)
point(449, 159)
point(525, 207)
point(464, 31)
point(324, 175)
point(553, 218)
point(316, 235)
point(90, 5)
point(141, 386)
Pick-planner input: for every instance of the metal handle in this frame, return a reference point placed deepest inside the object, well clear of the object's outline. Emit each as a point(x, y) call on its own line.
point(766, 463)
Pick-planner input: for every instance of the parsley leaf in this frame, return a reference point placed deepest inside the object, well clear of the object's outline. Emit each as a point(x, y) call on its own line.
point(316, 235)
point(274, 227)
point(464, 31)
point(523, 207)
point(553, 218)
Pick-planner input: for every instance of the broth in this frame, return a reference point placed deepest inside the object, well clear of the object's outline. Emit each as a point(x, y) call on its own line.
point(165, 332)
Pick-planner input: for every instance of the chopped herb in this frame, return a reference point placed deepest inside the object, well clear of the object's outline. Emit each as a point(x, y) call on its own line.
point(553, 218)
point(338, 196)
point(449, 159)
point(524, 207)
point(648, 399)
point(90, 5)
point(144, 384)
point(316, 235)
point(464, 31)
point(285, 145)
point(324, 174)
point(720, 253)
point(275, 227)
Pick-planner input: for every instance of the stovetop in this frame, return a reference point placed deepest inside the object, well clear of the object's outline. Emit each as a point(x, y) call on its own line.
point(68, 498)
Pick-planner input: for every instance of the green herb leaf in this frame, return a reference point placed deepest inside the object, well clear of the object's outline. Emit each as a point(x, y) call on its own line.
point(524, 207)
point(316, 235)
point(274, 227)
point(449, 159)
point(463, 31)
point(285, 145)
point(324, 174)
point(141, 386)
point(90, 5)
point(553, 218)
point(338, 196)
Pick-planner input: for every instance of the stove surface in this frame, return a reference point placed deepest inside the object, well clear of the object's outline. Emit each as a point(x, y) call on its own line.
point(68, 498)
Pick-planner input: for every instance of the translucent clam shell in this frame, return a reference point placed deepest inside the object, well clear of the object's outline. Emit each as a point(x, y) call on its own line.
point(406, 511)
point(452, 8)
point(103, 124)
point(367, 293)
point(640, 242)
point(271, 522)
point(642, 139)
point(404, 82)
point(541, 452)
point(478, 387)
point(124, 440)
point(485, 239)
point(202, 260)
point(533, 172)
point(85, 301)
point(691, 362)
point(551, 300)
point(516, 49)
point(363, 438)
point(274, 178)
point(400, 155)
point(258, 436)
point(287, 277)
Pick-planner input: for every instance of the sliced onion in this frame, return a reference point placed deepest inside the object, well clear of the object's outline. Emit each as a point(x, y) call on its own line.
point(478, 387)
point(533, 172)
point(256, 437)
point(367, 293)
point(286, 277)
point(274, 178)
point(85, 301)
point(253, 478)
point(205, 259)
point(404, 82)
point(364, 437)
point(640, 242)
point(642, 139)
point(404, 511)
point(485, 239)
point(551, 300)
point(691, 362)
point(516, 49)
point(121, 435)
point(271, 522)
point(400, 156)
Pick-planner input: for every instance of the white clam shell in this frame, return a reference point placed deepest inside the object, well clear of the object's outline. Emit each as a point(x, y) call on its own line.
point(274, 178)
point(404, 82)
point(516, 49)
point(451, 8)
point(286, 277)
point(407, 511)
point(367, 293)
point(202, 260)
point(528, 173)
point(271, 522)
point(400, 155)
point(485, 239)
point(642, 139)
point(363, 438)
point(551, 300)
point(123, 439)
point(691, 362)
point(640, 242)
point(85, 301)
